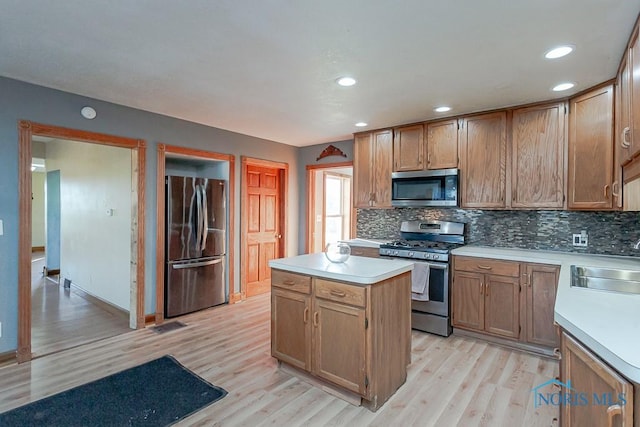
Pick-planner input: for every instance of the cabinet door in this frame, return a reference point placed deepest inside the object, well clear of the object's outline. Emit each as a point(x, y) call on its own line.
point(339, 344)
point(291, 328)
point(483, 158)
point(622, 120)
point(540, 283)
point(362, 164)
point(381, 169)
point(467, 300)
point(537, 175)
point(634, 94)
point(408, 148)
point(502, 305)
point(591, 150)
point(593, 378)
point(442, 144)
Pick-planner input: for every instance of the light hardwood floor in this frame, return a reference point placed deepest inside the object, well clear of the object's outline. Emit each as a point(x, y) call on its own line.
point(64, 318)
point(451, 381)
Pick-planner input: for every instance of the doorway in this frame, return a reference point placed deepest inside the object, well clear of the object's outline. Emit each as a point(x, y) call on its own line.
point(330, 213)
point(173, 152)
point(27, 130)
point(263, 238)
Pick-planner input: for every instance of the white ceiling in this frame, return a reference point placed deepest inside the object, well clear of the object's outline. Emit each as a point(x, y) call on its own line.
point(267, 68)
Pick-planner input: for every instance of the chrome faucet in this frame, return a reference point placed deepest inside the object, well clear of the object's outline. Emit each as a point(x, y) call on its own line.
point(637, 245)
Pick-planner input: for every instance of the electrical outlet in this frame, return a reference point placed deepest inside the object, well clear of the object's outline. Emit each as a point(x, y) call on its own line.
point(581, 240)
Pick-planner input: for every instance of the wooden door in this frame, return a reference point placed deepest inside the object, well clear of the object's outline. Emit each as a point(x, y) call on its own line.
point(263, 230)
point(408, 148)
point(502, 305)
point(591, 150)
point(362, 164)
point(339, 344)
point(291, 328)
point(442, 144)
point(634, 94)
point(539, 284)
point(589, 375)
point(538, 156)
point(467, 300)
point(483, 158)
point(382, 168)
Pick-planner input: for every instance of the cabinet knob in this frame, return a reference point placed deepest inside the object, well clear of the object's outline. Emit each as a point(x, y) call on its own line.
point(614, 189)
point(484, 267)
point(315, 318)
point(624, 140)
point(305, 315)
point(612, 411)
point(606, 191)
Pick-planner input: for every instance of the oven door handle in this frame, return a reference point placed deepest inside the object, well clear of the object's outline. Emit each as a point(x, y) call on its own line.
point(437, 266)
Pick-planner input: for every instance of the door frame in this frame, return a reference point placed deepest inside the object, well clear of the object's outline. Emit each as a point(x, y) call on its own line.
point(283, 175)
point(311, 169)
point(26, 130)
point(162, 151)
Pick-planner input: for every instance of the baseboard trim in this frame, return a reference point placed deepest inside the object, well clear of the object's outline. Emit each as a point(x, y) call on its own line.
point(235, 298)
point(106, 306)
point(37, 249)
point(53, 272)
point(514, 345)
point(8, 358)
point(149, 319)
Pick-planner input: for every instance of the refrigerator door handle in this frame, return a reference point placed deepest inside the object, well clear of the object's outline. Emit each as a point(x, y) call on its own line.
point(204, 218)
point(198, 231)
point(196, 264)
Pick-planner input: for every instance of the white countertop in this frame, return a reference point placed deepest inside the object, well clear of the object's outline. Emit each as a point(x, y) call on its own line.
point(366, 243)
point(606, 322)
point(356, 269)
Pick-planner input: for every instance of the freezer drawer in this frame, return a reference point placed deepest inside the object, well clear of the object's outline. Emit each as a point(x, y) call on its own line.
point(194, 285)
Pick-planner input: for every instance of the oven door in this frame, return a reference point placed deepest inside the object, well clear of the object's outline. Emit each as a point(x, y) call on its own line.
point(438, 303)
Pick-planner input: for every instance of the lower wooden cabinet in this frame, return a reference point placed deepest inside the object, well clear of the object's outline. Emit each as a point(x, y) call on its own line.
point(506, 299)
point(357, 337)
point(602, 397)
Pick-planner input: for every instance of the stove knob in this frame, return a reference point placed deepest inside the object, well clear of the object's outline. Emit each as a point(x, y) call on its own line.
point(410, 254)
point(395, 253)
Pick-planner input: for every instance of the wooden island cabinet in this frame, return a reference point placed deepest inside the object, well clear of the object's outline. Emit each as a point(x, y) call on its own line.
point(356, 336)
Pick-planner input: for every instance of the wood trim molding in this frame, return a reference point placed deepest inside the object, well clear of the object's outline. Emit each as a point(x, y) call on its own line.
point(37, 249)
point(149, 319)
point(235, 298)
point(330, 165)
point(26, 130)
point(244, 227)
point(162, 151)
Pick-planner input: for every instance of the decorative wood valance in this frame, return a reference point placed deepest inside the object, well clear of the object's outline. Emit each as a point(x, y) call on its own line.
point(330, 151)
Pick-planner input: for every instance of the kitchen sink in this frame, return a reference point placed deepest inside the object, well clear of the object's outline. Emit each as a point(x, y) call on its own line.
point(606, 279)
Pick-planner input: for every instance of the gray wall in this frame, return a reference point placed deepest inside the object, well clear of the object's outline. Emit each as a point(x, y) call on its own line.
point(307, 156)
point(19, 100)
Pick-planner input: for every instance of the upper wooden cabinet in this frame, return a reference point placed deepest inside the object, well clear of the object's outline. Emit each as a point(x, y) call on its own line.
point(633, 139)
point(372, 164)
point(537, 168)
point(408, 148)
point(442, 144)
point(591, 150)
point(483, 160)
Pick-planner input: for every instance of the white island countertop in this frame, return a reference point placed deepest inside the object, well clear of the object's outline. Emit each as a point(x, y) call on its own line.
point(357, 269)
point(606, 322)
point(365, 243)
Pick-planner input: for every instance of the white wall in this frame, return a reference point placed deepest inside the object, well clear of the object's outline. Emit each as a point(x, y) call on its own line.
point(37, 209)
point(95, 249)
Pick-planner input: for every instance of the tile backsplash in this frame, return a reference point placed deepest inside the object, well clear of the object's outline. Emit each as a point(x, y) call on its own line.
point(610, 233)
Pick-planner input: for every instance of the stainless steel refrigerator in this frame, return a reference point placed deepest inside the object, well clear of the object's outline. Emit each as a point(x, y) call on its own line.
point(196, 217)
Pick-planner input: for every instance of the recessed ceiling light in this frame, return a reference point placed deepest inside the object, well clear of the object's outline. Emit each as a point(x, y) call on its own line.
point(361, 124)
point(558, 52)
point(442, 109)
point(563, 86)
point(346, 81)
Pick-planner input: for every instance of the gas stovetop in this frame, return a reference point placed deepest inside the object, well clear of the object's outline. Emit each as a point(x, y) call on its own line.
point(427, 240)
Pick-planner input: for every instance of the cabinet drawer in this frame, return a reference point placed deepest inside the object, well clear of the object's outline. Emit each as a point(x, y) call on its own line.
point(339, 292)
point(291, 281)
point(486, 265)
point(365, 251)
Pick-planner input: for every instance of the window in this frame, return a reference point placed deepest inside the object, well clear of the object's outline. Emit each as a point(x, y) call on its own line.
point(337, 211)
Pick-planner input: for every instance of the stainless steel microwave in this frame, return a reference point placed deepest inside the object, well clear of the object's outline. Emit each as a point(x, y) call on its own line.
point(425, 188)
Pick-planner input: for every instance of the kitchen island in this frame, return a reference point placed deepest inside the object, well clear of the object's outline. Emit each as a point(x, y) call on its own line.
point(348, 324)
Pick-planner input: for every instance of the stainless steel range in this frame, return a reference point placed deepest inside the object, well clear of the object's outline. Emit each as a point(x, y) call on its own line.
point(429, 243)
